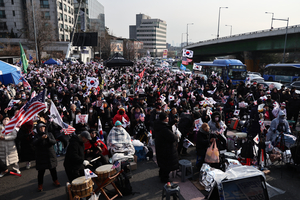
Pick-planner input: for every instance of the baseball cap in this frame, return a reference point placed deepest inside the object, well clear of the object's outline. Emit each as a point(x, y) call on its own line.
point(86, 135)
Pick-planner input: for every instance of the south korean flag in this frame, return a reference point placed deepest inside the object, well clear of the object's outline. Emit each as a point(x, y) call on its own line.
point(187, 53)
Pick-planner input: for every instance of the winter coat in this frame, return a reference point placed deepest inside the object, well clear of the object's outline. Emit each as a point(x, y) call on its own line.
point(166, 146)
point(27, 151)
point(75, 154)
point(202, 142)
point(185, 124)
point(119, 117)
point(273, 132)
point(44, 154)
point(8, 149)
point(254, 117)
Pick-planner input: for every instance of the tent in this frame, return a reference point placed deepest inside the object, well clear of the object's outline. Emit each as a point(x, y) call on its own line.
point(51, 62)
point(117, 60)
point(9, 73)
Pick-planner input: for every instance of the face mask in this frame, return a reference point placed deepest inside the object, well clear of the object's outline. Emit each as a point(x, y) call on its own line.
point(216, 119)
point(91, 111)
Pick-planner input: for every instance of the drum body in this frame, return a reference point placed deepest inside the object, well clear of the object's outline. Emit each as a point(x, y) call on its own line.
point(105, 171)
point(82, 187)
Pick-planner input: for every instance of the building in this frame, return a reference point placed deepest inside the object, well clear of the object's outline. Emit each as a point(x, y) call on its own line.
point(91, 17)
point(152, 32)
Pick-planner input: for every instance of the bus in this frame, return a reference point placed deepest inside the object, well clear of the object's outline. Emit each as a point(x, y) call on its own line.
point(284, 72)
point(225, 68)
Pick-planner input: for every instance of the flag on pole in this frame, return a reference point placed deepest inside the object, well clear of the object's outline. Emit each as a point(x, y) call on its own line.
point(68, 130)
point(23, 59)
point(100, 130)
point(182, 67)
point(54, 114)
point(26, 113)
point(30, 57)
point(142, 73)
point(25, 83)
point(184, 61)
point(187, 53)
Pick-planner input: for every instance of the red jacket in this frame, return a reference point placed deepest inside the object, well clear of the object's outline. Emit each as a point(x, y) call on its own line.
point(119, 117)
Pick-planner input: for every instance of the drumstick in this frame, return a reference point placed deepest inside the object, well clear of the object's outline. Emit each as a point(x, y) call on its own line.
point(95, 159)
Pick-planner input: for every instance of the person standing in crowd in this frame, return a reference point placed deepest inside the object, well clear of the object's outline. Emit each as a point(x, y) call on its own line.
point(166, 148)
point(8, 149)
point(74, 159)
point(45, 154)
point(203, 142)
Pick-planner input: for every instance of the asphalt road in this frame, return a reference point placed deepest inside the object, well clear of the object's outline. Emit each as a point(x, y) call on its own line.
point(145, 182)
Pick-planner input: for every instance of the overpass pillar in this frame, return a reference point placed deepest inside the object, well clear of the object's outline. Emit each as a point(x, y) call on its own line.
point(251, 61)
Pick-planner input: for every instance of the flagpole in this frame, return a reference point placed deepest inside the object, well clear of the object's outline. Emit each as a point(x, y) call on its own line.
point(35, 37)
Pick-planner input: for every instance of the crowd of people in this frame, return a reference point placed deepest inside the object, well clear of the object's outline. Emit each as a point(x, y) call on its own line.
point(131, 102)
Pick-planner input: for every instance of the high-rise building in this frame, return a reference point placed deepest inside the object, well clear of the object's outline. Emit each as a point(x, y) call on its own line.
point(152, 32)
point(91, 16)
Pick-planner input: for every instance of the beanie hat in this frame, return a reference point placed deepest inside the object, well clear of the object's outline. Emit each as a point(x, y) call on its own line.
point(118, 123)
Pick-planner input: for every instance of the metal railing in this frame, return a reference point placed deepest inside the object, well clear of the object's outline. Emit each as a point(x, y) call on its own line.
point(243, 34)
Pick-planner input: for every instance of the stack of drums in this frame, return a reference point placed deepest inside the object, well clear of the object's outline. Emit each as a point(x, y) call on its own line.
point(105, 171)
point(82, 187)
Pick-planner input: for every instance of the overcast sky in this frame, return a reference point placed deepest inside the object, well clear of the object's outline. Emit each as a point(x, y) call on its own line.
point(244, 16)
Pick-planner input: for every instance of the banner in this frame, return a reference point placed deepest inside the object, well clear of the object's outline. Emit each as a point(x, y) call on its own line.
point(81, 119)
point(165, 53)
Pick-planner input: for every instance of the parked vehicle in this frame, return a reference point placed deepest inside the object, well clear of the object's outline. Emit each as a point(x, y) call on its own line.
point(283, 72)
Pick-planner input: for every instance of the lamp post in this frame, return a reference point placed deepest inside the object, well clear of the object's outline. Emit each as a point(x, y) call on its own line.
point(272, 18)
point(230, 29)
point(287, 24)
point(187, 33)
point(219, 21)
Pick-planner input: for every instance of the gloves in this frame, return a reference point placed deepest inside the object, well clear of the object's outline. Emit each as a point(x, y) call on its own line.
point(85, 162)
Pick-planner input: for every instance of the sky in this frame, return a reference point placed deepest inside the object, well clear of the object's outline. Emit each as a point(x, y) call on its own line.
point(244, 16)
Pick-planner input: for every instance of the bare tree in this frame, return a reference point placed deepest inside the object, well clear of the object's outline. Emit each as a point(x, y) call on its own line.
point(45, 31)
point(128, 49)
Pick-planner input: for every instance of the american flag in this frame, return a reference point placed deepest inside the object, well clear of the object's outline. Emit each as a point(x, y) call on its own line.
point(184, 61)
point(26, 113)
point(68, 130)
point(25, 83)
point(116, 165)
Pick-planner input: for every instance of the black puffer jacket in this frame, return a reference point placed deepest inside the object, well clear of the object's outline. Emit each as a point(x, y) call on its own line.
point(44, 151)
point(203, 141)
point(166, 146)
point(75, 154)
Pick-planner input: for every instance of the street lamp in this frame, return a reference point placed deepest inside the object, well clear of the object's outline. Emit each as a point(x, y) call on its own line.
point(287, 24)
point(219, 21)
point(272, 18)
point(187, 33)
point(230, 29)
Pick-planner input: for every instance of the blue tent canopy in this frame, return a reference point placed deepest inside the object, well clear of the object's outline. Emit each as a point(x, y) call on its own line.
point(51, 62)
point(9, 73)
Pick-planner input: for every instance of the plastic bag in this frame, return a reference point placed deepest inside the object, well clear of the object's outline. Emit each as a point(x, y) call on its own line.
point(212, 153)
point(94, 196)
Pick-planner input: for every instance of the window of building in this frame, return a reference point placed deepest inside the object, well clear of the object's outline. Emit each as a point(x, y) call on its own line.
point(62, 37)
point(61, 16)
point(3, 26)
point(65, 7)
point(69, 1)
point(69, 9)
point(66, 27)
point(15, 24)
point(60, 5)
point(61, 27)
point(67, 37)
point(44, 3)
point(2, 14)
point(47, 15)
point(72, 11)
point(14, 14)
point(70, 21)
point(66, 19)
point(70, 28)
point(12, 2)
point(1, 3)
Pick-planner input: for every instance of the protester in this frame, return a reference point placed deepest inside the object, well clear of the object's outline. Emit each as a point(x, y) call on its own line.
point(166, 147)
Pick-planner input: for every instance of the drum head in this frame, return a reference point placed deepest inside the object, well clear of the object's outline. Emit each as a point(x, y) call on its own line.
point(80, 180)
point(229, 154)
point(104, 168)
point(241, 135)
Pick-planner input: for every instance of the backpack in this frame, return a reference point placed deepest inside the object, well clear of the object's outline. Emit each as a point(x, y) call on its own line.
point(122, 181)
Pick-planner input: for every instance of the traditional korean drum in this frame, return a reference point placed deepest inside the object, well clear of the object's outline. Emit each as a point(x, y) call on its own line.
point(241, 135)
point(105, 171)
point(82, 187)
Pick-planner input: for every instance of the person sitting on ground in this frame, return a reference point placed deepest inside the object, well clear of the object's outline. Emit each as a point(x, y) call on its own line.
point(279, 126)
point(119, 140)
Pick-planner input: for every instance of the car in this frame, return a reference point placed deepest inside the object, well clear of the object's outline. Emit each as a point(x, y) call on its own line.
point(187, 71)
point(174, 69)
point(201, 76)
point(255, 73)
point(255, 78)
point(267, 84)
point(295, 84)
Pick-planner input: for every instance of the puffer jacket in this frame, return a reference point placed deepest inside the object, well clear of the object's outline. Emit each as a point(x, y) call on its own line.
point(8, 149)
point(119, 117)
